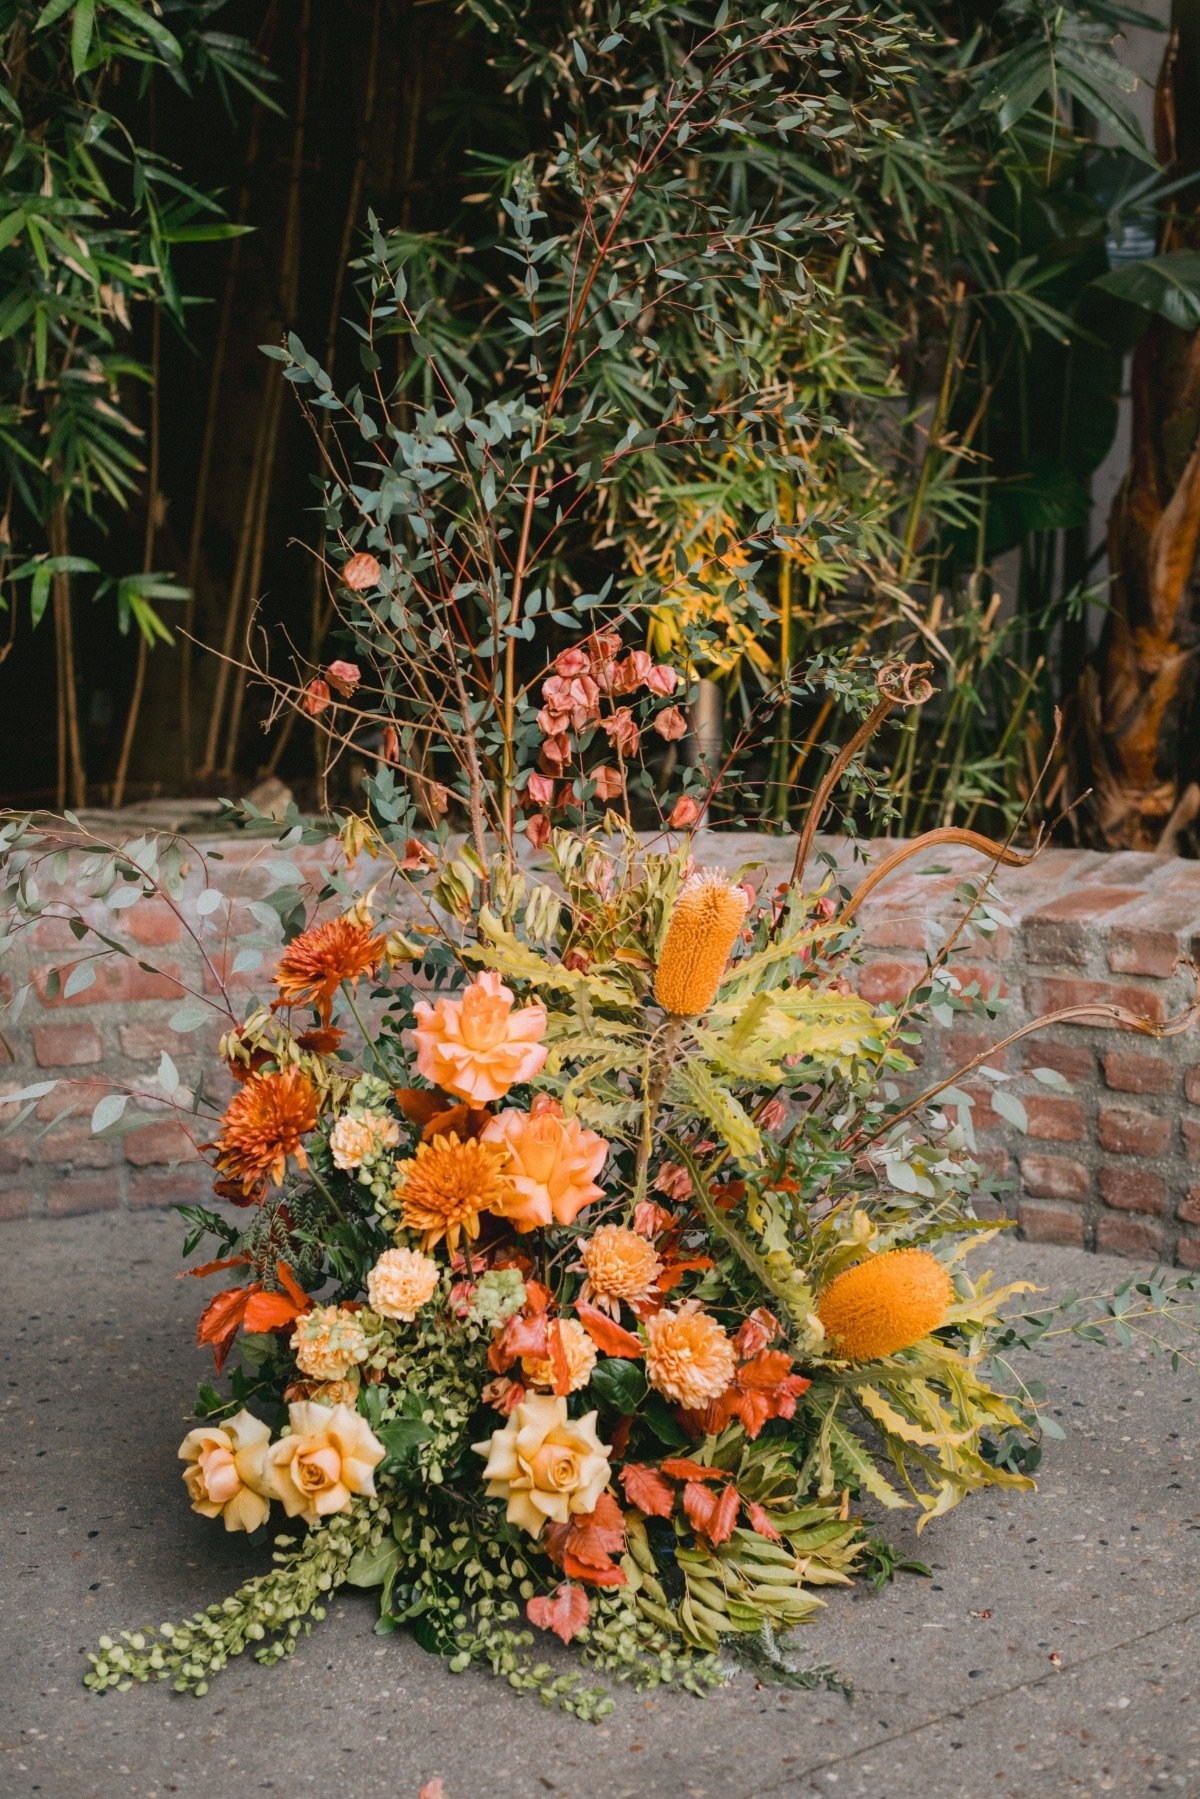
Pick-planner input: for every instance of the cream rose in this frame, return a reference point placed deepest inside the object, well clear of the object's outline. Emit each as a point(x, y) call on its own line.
point(226, 1476)
point(545, 1464)
point(330, 1455)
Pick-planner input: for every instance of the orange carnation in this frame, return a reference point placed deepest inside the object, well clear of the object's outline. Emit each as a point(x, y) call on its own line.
point(477, 1046)
point(688, 1356)
point(552, 1163)
point(266, 1122)
point(314, 964)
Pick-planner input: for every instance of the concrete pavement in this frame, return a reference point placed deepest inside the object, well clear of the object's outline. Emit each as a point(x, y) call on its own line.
point(1056, 1648)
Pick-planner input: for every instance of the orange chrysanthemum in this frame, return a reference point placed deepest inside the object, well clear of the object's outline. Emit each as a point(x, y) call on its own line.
point(704, 926)
point(688, 1356)
point(267, 1120)
point(447, 1184)
point(619, 1265)
point(314, 964)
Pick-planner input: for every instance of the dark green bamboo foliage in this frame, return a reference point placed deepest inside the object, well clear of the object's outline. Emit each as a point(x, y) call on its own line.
point(938, 270)
point(90, 224)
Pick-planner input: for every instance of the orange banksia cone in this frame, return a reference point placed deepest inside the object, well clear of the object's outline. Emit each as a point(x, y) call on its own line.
point(704, 926)
point(884, 1304)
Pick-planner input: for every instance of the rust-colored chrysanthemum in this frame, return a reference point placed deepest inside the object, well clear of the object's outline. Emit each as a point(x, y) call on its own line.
point(704, 926)
point(447, 1184)
point(314, 964)
point(885, 1304)
point(267, 1121)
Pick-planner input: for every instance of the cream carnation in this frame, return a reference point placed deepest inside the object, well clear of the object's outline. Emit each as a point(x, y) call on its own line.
point(689, 1358)
point(401, 1282)
point(545, 1464)
point(619, 1264)
point(330, 1455)
point(352, 1139)
point(328, 1342)
point(579, 1352)
point(226, 1476)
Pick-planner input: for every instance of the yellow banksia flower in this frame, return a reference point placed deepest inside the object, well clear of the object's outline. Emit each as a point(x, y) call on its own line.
point(702, 931)
point(884, 1304)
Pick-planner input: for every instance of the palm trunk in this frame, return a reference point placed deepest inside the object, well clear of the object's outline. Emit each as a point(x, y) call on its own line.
point(1138, 697)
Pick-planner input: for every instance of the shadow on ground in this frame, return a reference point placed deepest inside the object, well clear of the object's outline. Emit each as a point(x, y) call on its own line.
point(1055, 1649)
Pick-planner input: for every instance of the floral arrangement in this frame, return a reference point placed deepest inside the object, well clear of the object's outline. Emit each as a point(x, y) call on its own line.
point(590, 1251)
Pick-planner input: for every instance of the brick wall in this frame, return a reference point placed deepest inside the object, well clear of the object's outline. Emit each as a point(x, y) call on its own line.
point(1110, 1161)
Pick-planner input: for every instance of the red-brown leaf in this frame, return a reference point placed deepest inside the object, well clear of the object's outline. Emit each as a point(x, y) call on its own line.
point(699, 1504)
point(565, 1611)
point(291, 1286)
point(219, 1321)
point(558, 1358)
point(755, 1333)
point(761, 1522)
point(213, 1267)
point(724, 1517)
point(646, 1488)
point(612, 1339)
point(679, 1468)
point(270, 1311)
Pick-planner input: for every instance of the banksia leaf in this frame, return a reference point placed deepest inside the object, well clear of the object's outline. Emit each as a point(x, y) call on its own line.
point(885, 1304)
point(702, 931)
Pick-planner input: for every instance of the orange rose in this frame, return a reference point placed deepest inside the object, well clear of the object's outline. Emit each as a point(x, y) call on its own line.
point(553, 1164)
point(477, 1046)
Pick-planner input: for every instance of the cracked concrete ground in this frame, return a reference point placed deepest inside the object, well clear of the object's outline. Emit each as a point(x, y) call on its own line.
point(1055, 1649)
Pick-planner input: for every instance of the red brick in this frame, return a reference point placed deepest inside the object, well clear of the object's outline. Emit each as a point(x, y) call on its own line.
point(67, 1198)
point(1128, 1131)
point(1055, 1118)
point(1049, 993)
point(1064, 930)
point(153, 1187)
point(1128, 1072)
point(1130, 1237)
point(1191, 1085)
point(884, 981)
point(1189, 1206)
point(152, 922)
point(1133, 1189)
point(1074, 1061)
point(74, 1146)
point(159, 1143)
point(66, 1045)
point(1189, 1130)
point(1152, 935)
point(77, 1096)
point(118, 981)
point(1188, 1252)
point(1043, 1223)
point(958, 1047)
point(14, 1204)
point(1055, 1177)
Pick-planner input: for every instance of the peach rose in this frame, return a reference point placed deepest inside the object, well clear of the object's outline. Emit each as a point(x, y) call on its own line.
point(545, 1464)
point(226, 1476)
point(553, 1164)
point(330, 1455)
point(477, 1046)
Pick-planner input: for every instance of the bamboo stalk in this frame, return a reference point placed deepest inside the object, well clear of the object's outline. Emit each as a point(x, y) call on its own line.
point(151, 531)
point(71, 775)
point(252, 537)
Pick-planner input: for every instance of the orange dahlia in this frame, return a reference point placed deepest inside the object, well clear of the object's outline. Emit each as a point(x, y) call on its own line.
point(266, 1122)
point(447, 1184)
point(688, 1356)
point(619, 1265)
point(314, 964)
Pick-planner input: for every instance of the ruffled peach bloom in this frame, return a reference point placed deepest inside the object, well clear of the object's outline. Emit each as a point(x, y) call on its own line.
point(330, 1455)
point(328, 1342)
point(401, 1282)
point(553, 1164)
point(545, 1464)
point(352, 1140)
point(478, 1046)
point(579, 1352)
point(226, 1476)
point(689, 1358)
point(620, 1265)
